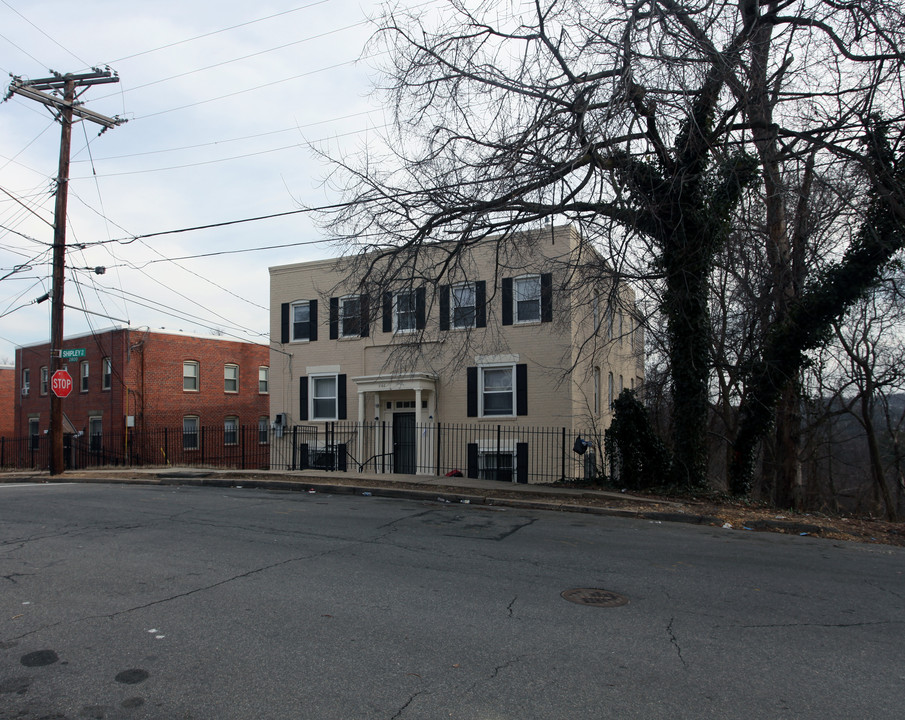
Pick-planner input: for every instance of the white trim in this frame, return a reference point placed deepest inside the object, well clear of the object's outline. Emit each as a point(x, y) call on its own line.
point(322, 369)
point(311, 398)
point(515, 300)
point(512, 393)
point(510, 359)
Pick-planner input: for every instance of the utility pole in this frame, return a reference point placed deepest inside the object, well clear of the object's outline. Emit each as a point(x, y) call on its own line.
point(64, 109)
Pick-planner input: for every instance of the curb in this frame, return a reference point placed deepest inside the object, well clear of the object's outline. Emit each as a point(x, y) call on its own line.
point(441, 495)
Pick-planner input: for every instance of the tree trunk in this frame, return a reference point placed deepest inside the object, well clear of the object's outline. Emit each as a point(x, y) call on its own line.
point(873, 447)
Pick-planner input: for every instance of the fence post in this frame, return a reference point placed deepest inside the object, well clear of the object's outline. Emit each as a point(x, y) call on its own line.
point(562, 477)
point(496, 471)
point(383, 446)
point(438, 448)
point(295, 433)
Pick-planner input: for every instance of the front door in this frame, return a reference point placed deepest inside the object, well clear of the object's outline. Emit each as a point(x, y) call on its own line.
point(404, 443)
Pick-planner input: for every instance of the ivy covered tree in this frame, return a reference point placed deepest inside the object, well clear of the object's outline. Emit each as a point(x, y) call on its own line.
point(645, 124)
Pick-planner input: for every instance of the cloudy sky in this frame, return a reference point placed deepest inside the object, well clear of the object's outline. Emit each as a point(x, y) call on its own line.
point(222, 98)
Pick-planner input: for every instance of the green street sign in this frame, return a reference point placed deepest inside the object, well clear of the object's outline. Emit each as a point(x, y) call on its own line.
point(74, 353)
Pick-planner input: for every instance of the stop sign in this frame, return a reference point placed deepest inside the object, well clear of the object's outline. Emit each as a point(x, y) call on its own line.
point(61, 383)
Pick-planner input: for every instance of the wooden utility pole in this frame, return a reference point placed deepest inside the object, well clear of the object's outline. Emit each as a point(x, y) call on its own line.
point(64, 108)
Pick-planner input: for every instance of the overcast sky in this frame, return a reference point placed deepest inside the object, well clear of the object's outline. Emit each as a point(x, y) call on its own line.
point(221, 98)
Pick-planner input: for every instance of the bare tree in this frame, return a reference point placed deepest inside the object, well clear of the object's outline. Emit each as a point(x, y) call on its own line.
point(644, 124)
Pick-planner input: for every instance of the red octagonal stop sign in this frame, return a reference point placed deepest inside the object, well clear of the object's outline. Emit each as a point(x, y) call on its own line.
point(61, 383)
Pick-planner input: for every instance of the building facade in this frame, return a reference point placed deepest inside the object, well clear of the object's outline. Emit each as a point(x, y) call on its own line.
point(128, 381)
point(523, 340)
point(7, 400)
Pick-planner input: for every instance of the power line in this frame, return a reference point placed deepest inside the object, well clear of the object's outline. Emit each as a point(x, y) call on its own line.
point(62, 47)
point(202, 163)
point(240, 58)
point(246, 90)
point(216, 32)
point(294, 128)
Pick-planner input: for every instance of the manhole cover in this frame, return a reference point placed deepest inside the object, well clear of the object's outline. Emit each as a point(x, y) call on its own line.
point(595, 597)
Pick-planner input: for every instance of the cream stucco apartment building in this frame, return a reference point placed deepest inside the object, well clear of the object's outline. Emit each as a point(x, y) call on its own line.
point(472, 373)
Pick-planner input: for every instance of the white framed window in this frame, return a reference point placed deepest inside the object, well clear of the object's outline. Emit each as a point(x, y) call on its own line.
point(462, 305)
point(497, 390)
point(526, 298)
point(95, 433)
point(190, 432)
point(190, 376)
point(45, 380)
point(107, 374)
point(231, 378)
point(26, 380)
point(83, 374)
point(610, 391)
point(231, 431)
point(405, 311)
point(263, 430)
point(263, 380)
point(323, 397)
point(350, 316)
point(301, 321)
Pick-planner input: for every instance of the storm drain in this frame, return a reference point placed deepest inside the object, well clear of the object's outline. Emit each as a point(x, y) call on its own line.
point(594, 597)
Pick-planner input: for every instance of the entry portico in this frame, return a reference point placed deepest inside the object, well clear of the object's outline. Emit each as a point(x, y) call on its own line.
point(407, 401)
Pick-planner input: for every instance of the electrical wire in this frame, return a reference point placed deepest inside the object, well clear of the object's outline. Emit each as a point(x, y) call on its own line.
point(62, 47)
point(245, 90)
point(215, 32)
point(294, 128)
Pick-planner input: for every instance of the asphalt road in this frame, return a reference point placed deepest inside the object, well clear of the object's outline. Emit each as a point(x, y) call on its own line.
point(167, 603)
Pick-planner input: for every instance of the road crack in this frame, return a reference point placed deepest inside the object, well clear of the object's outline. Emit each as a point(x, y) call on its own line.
point(675, 642)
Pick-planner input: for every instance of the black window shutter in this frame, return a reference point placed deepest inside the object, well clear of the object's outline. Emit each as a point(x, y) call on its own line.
point(480, 302)
point(420, 306)
point(303, 398)
point(334, 318)
point(506, 287)
point(312, 320)
point(388, 312)
point(521, 389)
point(444, 307)
point(471, 380)
point(340, 397)
point(546, 297)
point(284, 323)
point(364, 308)
point(521, 462)
point(471, 460)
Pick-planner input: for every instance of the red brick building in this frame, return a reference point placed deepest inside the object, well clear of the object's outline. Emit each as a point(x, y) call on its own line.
point(132, 381)
point(7, 401)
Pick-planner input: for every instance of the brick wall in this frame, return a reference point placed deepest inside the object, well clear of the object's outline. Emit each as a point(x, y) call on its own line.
point(7, 401)
point(146, 381)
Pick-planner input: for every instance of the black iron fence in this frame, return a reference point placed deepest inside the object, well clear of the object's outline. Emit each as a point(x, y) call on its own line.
point(491, 451)
point(244, 448)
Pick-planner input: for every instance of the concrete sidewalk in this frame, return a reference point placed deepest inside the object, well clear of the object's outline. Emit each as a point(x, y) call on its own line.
point(415, 487)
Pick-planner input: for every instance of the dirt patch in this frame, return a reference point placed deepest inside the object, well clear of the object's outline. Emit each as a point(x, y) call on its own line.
point(745, 516)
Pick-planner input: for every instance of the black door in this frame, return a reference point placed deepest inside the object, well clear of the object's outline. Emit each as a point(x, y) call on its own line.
point(404, 443)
